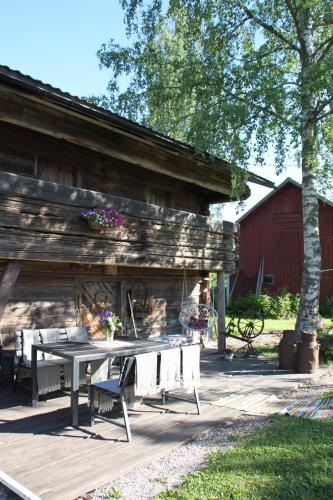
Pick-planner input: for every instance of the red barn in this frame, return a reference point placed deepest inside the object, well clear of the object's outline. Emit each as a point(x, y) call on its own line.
point(272, 233)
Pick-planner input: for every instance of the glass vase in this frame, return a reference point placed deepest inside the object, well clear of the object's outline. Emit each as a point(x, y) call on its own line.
point(109, 336)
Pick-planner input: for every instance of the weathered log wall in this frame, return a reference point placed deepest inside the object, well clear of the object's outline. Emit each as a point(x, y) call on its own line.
point(104, 138)
point(37, 155)
point(41, 221)
point(48, 295)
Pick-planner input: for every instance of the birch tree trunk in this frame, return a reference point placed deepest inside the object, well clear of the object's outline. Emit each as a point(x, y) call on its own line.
point(310, 292)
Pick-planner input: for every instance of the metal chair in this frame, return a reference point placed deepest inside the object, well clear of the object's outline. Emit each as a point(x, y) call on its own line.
point(115, 389)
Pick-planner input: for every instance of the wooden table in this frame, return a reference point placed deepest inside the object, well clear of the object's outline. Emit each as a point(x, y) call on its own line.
point(81, 352)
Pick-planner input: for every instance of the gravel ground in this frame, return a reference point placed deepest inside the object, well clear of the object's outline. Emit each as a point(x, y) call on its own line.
point(147, 481)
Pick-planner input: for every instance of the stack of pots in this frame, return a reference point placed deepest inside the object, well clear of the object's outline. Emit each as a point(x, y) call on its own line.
point(308, 353)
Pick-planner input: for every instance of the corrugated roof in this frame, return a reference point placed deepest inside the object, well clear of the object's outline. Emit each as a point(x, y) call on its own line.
point(37, 87)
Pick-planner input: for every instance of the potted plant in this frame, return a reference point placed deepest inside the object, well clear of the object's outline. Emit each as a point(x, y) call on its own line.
point(102, 218)
point(228, 354)
point(110, 322)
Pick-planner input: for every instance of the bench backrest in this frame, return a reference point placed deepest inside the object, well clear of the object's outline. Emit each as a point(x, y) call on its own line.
point(25, 338)
point(77, 333)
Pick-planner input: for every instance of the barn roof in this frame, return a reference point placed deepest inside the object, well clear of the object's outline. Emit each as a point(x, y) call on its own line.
point(288, 180)
point(38, 88)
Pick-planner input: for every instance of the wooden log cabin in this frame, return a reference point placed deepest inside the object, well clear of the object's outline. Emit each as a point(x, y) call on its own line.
point(60, 155)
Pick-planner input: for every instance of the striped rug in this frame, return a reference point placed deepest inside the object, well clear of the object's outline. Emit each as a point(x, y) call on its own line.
point(314, 409)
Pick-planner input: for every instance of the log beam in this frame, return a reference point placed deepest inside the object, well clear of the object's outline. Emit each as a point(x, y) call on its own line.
point(7, 284)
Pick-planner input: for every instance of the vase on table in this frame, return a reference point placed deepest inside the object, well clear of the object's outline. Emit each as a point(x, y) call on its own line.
point(109, 335)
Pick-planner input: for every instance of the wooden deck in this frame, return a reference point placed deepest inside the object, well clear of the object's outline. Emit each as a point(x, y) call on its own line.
point(55, 461)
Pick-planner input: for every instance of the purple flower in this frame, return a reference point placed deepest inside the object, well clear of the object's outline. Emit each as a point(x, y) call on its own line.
point(108, 217)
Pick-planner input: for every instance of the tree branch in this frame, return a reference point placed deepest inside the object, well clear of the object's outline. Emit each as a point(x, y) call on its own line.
point(293, 14)
point(321, 108)
point(329, 43)
point(321, 105)
point(258, 106)
point(269, 28)
point(325, 115)
point(178, 122)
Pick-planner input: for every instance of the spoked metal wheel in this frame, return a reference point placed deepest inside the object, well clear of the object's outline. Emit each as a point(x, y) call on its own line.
point(251, 324)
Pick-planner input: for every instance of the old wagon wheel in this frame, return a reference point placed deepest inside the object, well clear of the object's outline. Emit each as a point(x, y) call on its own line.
point(251, 324)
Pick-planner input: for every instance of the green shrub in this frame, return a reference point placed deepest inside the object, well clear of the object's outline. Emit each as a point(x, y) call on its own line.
point(284, 305)
point(294, 303)
point(325, 337)
point(326, 307)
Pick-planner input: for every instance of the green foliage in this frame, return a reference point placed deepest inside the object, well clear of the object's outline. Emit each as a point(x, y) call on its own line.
point(213, 280)
point(325, 338)
point(273, 464)
point(114, 493)
point(235, 67)
point(284, 305)
point(236, 79)
point(268, 351)
point(326, 307)
point(162, 480)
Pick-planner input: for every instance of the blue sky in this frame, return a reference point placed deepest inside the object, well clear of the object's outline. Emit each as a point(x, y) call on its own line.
point(56, 41)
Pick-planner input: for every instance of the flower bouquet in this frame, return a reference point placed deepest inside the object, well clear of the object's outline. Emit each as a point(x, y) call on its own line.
point(101, 218)
point(110, 322)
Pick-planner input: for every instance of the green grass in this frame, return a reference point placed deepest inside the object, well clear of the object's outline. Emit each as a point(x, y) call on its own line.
point(291, 459)
point(268, 351)
point(278, 325)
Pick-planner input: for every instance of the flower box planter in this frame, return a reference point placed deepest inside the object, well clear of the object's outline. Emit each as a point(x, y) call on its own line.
point(102, 219)
point(99, 227)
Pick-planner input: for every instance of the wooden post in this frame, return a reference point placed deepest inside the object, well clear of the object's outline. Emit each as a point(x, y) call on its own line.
point(7, 284)
point(205, 291)
point(221, 312)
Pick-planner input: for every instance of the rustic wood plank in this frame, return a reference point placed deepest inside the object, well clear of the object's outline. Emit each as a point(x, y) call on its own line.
point(77, 130)
point(20, 245)
point(83, 198)
point(7, 284)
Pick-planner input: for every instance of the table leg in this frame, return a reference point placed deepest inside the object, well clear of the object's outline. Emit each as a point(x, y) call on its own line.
point(75, 392)
point(34, 381)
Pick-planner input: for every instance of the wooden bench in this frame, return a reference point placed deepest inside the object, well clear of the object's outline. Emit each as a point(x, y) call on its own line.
point(25, 338)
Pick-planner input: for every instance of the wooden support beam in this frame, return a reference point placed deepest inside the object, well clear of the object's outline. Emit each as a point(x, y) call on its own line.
point(221, 338)
point(7, 284)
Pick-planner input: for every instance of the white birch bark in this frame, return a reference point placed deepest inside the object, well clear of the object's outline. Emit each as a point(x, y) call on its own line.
point(310, 292)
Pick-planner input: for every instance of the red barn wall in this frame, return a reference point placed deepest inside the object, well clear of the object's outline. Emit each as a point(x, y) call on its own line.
point(326, 241)
point(275, 231)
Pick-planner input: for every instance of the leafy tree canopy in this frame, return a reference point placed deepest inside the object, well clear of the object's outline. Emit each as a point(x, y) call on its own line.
point(235, 78)
point(227, 76)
